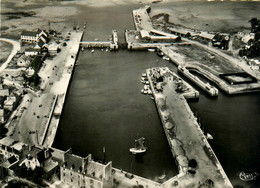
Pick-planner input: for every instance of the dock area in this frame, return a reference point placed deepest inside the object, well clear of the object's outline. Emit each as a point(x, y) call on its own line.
point(186, 139)
point(60, 88)
point(172, 46)
point(34, 122)
point(185, 64)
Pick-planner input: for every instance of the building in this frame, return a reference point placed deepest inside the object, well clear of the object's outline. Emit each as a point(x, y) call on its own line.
point(10, 147)
point(83, 172)
point(3, 92)
point(32, 51)
point(24, 61)
point(144, 34)
point(34, 37)
point(40, 158)
point(2, 116)
point(9, 103)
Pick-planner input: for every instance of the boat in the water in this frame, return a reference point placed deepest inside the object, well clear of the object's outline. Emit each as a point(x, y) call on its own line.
point(248, 176)
point(92, 51)
point(162, 176)
point(156, 1)
point(166, 58)
point(151, 50)
point(160, 53)
point(139, 146)
point(146, 87)
point(209, 136)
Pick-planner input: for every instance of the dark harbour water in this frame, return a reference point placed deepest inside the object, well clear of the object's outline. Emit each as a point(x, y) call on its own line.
point(104, 106)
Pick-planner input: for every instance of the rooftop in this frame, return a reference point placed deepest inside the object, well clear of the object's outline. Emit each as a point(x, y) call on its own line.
point(29, 33)
point(7, 141)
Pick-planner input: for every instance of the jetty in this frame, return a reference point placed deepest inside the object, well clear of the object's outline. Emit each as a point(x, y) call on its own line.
point(186, 139)
point(211, 90)
point(112, 44)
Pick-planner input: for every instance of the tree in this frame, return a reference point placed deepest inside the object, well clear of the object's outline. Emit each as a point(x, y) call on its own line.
point(257, 36)
point(193, 163)
point(255, 25)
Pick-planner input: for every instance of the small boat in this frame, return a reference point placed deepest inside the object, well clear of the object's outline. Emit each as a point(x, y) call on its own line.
point(142, 91)
point(146, 87)
point(147, 82)
point(248, 176)
point(82, 49)
point(139, 146)
point(162, 176)
point(166, 58)
point(92, 51)
point(160, 53)
point(144, 75)
point(209, 136)
point(145, 91)
point(156, 1)
point(152, 98)
point(151, 50)
point(106, 49)
point(150, 92)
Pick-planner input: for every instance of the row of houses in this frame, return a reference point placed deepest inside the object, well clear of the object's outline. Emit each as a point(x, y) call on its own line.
point(22, 160)
point(8, 102)
point(40, 41)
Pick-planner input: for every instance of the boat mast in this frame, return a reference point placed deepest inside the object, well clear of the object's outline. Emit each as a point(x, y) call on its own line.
point(104, 154)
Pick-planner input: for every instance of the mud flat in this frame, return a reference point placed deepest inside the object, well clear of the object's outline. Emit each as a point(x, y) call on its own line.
point(187, 141)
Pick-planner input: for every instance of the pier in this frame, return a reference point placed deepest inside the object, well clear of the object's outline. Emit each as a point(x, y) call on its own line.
point(211, 90)
point(111, 44)
point(187, 141)
point(60, 88)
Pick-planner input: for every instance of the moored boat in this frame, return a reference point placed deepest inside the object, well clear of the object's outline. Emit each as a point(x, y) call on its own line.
point(248, 176)
point(162, 176)
point(209, 136)
point(139, 146)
